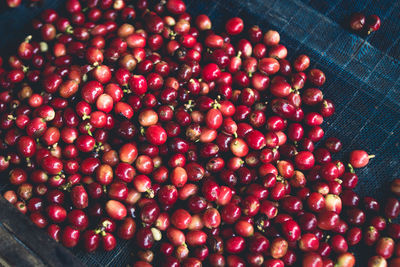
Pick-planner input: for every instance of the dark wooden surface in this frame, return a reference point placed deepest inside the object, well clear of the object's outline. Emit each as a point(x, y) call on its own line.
point(23, 244)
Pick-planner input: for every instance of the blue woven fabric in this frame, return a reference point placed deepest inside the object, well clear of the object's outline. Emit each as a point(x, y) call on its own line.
point(363, 75)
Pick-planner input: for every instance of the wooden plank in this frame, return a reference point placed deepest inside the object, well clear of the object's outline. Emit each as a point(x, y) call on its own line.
point(48, 251)
point(13, 253)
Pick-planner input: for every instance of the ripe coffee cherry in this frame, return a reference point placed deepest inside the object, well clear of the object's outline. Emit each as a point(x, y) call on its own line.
point(52, 165)
point(56, 213)
point(304, 160)
point(116, 210)
point(156, 135)
point(357, 22)
point(138, 84)
point(268, 66)
point(234, 26)
point(271, 38)
point(373, 23)
point(26, 146)
point(13, 3)
point(256, 140)
point(211, 72)
point(70, 237)
point(359, 158)
point(79, 197)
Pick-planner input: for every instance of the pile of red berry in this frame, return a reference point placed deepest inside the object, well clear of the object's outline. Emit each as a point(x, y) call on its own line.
point(138, 121)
